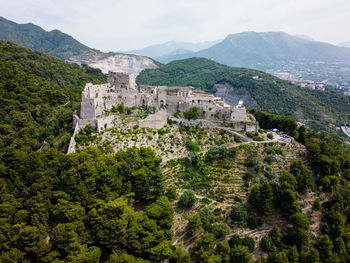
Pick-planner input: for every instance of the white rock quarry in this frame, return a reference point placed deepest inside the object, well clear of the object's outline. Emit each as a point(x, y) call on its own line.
point(115, 62)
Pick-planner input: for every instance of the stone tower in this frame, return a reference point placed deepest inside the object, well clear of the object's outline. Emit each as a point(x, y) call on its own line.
point(121, 80)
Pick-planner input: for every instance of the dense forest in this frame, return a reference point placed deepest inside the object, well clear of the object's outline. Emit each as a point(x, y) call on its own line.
point(315, 108)
point(38, 94)
point(93, 207)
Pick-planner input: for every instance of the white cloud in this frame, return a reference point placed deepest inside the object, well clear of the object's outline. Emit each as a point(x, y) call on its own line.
point(128, 24)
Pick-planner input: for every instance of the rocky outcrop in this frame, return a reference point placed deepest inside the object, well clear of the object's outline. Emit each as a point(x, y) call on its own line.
point(233, 95)
point(115, 62)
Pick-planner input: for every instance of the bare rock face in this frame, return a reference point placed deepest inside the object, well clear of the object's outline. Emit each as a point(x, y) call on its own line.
point(233, 95)
point(116, 62)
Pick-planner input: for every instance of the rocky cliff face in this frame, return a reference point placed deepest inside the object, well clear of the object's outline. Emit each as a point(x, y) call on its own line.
point(232, 95)
point(116, 62)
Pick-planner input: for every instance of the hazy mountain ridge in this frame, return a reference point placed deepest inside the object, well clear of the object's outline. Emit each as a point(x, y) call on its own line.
point(344, 44)
point(276, 51)
point(252, 49)
point(171, 48)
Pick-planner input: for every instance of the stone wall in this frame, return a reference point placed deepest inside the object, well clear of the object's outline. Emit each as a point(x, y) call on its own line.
point(104, 123)
point(121, 80)
point(72, 143)
point(155, 121)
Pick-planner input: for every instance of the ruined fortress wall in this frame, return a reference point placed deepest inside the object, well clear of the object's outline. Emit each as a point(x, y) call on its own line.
point(174, 104)
point(87, 110)
point(72, 142)
point(105, 123)
point(84, 122)
point(239, 115)
point(154, 121)
point(122, 80)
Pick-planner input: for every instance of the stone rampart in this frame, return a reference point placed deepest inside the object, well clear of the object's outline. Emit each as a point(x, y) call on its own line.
point(155, 121)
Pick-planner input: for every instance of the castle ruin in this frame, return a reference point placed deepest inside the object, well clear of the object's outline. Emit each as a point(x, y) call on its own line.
point(161, 102)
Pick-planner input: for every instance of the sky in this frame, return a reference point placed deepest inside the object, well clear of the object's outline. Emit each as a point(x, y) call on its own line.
point(116, 25)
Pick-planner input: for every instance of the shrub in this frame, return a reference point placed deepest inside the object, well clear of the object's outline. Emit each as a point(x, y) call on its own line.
point(317, 205)
point(187, 199)
point(248, 176)
point(270, 136)
point(172, 193)
point(163, 131)
point(254, 222)
point(119, 108)
point(250, 134)
point(192, 146)
point(268, 159)
point(206, 216)
point(192, 113)
point(238, 213)
point(237, 199)
point(249, 242)
point(237, 138)
point(89, 129)
point(266, 243)
point(221, 230)
point(194, 225)
point(258, 138)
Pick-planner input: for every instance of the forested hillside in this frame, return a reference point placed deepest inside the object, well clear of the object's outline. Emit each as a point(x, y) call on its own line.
point(315, 108)
point(238, 202)
point(54, 43)
point(38, 94)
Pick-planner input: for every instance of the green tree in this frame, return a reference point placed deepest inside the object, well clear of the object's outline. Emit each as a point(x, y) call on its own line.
point(249, 242)
point(238, 213)
point(325, 246)
point(223, 250)
point(206, 217)
point(194, 226)
point(261, 197)
point(240, 254)
point(293, 255)
point(180, 256)
point(162, 211)
point(266, 243)
point(302, 174)
point(187, 199)
point(311, 256)
point(204, 249)
point(221, 230)
point(317, 206)
point(276, 235)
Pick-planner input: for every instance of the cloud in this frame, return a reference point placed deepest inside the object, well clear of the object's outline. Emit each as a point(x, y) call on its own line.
point(128, 24)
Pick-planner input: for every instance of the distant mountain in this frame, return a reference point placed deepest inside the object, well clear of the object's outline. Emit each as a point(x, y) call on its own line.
point(178, 52)
point(259, 90)
point(261, 50)
point(305, 37)
point(160, 50)
point(54, 43)
point(276, 51)
point(344, 44)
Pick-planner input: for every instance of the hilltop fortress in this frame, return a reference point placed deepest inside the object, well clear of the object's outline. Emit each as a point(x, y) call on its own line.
point(158, 102)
